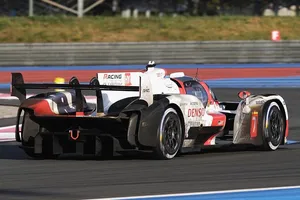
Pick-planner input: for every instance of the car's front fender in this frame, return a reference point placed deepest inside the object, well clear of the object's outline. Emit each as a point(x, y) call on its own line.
point(252, 109)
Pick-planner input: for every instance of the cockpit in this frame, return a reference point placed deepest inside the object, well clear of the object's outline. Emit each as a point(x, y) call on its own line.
point(192, 87)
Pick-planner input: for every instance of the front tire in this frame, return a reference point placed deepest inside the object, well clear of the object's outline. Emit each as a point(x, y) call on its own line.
point(169, 137)
point(273, 127)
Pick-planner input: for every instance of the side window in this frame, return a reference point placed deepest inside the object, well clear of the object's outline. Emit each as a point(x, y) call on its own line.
point(196, 89)
point(212, 93)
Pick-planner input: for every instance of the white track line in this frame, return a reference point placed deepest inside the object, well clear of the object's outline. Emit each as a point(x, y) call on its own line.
point(7, 133)
point(8, 127)
point(201, 193)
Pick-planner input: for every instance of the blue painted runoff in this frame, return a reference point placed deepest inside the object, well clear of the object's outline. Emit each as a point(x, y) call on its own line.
point(283, 82)
point(290, 142)
point(138, 67)
point(279, 194)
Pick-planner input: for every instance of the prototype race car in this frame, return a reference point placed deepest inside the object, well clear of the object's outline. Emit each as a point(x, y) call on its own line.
point(142, 111)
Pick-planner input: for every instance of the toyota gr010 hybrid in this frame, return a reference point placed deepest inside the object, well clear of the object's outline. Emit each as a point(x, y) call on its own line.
point(143, 111)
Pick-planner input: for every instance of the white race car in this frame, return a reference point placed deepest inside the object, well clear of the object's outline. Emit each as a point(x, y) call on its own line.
point(143, 111)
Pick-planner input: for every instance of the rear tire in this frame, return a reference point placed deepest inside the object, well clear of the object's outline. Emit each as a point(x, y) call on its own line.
point(273, 127)
point(170, 136)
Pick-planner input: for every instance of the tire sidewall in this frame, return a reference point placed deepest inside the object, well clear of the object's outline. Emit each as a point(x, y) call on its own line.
point(267, 138)
point(161, 148)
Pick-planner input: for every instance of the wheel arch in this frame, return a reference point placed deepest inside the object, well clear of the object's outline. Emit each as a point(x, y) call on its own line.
point(133, 113)
point(151, 119)
point(134, 107)
point(18, 129)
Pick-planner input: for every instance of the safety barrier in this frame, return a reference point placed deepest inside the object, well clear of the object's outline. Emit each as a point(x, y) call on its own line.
point(49, 54)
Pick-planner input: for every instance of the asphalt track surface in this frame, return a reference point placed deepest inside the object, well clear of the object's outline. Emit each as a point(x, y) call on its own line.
point(80, 178)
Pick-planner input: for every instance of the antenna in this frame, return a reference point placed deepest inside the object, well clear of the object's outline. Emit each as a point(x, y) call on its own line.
point(196, 76)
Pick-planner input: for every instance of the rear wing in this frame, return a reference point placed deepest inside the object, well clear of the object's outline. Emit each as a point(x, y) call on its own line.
point(18, 89)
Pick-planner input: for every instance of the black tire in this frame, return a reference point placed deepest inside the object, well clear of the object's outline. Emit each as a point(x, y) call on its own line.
point(170, 135)
point(273, 126)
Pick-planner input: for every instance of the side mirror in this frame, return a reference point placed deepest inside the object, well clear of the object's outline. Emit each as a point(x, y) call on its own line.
point(244, 94)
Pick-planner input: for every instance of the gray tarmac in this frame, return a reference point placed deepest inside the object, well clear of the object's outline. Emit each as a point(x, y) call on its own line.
point(224, 169)
point(8, 111)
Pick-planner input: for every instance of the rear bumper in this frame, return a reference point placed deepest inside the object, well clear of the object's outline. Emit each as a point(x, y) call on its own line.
point(79, 142)
point(80, 135)
point(84, 126)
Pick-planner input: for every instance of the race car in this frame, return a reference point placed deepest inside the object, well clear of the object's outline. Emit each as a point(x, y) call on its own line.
point(149, 110)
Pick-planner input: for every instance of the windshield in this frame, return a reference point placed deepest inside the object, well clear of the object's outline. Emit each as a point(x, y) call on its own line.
point(196, 89)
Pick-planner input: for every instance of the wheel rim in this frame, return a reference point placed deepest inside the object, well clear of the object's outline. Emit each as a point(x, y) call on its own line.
point(172, 134)
point(276, 125)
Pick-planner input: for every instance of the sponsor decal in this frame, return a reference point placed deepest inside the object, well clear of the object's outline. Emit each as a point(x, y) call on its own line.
point(112, 76)
point(194, 123)
point(159, 74)
point(147, 90)
point(183, 104)
point(254, 122)
point(112, 83)
point(194, 103)
point(127, 79)
point(113, 79)
point(168, 84)
point(260, 102)
point(196, 112)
